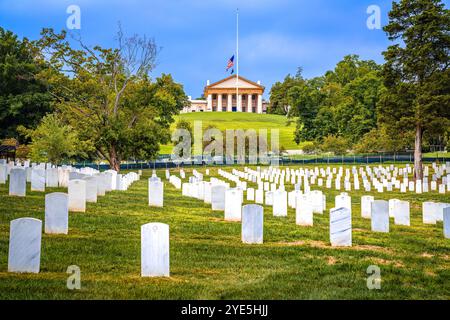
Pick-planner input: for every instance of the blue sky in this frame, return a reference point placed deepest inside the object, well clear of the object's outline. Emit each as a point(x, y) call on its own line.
point(199, 36)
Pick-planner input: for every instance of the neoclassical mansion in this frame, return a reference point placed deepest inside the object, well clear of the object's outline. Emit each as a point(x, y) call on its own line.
point(221, 96)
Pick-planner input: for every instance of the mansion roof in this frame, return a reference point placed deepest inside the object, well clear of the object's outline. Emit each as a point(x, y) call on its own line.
point(228, 86)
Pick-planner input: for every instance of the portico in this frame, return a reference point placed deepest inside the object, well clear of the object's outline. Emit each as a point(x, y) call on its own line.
point(221, 95)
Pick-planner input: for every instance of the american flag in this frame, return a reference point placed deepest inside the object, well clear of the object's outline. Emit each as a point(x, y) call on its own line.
point(230, 64)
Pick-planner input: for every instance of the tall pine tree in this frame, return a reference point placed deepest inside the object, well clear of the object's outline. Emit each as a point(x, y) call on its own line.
point(416, 72)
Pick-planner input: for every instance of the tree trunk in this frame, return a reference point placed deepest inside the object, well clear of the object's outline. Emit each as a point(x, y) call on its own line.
point(114, 160)
point(418, 174)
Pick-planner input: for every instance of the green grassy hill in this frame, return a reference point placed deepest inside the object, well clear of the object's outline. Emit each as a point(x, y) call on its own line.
point(238, 120)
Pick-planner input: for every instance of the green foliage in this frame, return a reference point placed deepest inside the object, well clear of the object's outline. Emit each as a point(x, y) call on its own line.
point(336, 144)
point(280, 102)
point(184, 124)
point(416, 73)
point(24, 100)
point(380, 140)
point(52, 141)
point(341, 103)
point(308, 147)
point(107, 95)
point(23, 152)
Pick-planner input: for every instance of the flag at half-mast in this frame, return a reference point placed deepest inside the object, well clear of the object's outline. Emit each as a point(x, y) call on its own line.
point(230, 64)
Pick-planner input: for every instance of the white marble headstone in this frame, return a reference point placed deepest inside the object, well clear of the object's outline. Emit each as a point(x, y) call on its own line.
point(77, 195)
point(57, 213)
point(38, 179)
point(17, 182)
point(279, 203)
point(343, 201)
point(429, 212)
point(25, 245)
point(91, 189)
point(233, 205)
point(447, 222)
point(3, 174)
point(366, 206)
point(155, 193)
point(155, 250)
point(340, 227)
point(259, 196)
point(402, 216)
point(218, 197)
point(380, 216)
point(51, 177)
point(252, 223)
point(303, 210)
point(250, 194)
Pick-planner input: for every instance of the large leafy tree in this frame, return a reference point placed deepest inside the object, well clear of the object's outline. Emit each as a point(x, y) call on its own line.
point(108, 97)
point(416, 72)
point(24, 100)
point(341, 103)
point(53, 141)
point(280, 102)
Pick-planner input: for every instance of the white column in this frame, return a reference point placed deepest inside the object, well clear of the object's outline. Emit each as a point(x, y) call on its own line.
point(209, 106)
point(249, 103)
point(230, 103)
point(219, 102)
point(239, 103)
point(260, 109)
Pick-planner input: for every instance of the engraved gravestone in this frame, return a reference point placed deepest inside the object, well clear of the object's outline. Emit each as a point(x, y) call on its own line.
point(25, 245)
point(155, 250)
point(233, 205)
point(3, 175)
point(279, 203)
point(392, 207)
point(17, 182)
point(250, 194)
point(380, 216)
point(155, 193)
point(429, 212)
point(401, 215)
point(38, 179)
point(447, 222)
point(259, 196)
point(51, 177)
point(303, 210)
point(56, 213)
point(91, 189)
point(77, 195)
point(218, 197)
point(343, 201)
point(252, 224)
point(340, 227)
point(366, 206)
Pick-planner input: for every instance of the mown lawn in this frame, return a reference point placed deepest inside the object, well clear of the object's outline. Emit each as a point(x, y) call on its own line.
point(208, 260)
point(241, 120)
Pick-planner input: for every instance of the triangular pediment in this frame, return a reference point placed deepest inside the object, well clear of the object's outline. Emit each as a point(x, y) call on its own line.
point(230, 82)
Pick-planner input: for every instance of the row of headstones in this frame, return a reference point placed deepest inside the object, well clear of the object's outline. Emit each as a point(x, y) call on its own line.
point(25, 233)
point(87, 189)
point(309, 176)
point(230, 200)
point(96, 183)
point(25, 243)
point(155, 236)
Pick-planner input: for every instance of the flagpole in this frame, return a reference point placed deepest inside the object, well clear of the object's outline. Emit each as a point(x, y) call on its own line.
point(237, 58)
